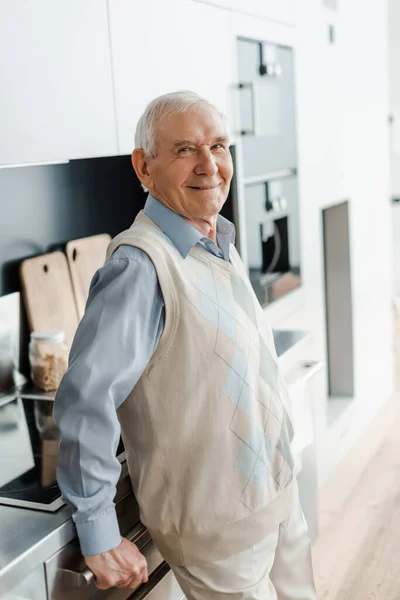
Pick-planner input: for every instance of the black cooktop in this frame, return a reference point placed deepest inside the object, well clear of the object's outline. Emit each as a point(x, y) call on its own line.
point(29, 442)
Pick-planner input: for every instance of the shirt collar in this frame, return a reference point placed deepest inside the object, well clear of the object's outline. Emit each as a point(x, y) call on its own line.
point(181, 233)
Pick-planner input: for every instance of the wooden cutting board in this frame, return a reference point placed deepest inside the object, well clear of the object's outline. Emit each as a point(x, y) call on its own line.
point(85, 256)
point(48, 295)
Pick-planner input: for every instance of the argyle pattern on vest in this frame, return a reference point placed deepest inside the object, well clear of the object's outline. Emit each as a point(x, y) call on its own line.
point(259, 418)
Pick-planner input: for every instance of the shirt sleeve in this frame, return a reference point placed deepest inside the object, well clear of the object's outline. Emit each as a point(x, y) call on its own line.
point(115, 339)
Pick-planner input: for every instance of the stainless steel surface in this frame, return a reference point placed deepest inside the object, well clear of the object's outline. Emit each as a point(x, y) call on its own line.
point(28, 391)
point(33, 587)
point(274, 148)
point(27, 539)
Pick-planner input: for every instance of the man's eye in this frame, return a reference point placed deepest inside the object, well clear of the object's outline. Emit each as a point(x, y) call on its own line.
point(218, 146)
point(182, 150)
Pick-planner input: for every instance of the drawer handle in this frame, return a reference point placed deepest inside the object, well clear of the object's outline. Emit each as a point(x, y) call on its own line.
point(156, 577)
point(137, 535)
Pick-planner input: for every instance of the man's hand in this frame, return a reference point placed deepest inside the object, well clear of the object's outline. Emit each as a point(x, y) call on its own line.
point(123, 566)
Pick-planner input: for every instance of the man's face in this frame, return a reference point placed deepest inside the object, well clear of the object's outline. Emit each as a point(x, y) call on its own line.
point(192, 169)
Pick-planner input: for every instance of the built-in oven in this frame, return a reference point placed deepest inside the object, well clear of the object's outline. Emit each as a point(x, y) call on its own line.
point(269, 217)
point(272, 235)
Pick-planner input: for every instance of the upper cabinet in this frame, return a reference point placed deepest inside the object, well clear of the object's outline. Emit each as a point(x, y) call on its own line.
point(275, 10)
point(56, 98)
point(160, 47)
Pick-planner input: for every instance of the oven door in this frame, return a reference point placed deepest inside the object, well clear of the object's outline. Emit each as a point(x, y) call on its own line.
point(272, 237)
point(266, 107)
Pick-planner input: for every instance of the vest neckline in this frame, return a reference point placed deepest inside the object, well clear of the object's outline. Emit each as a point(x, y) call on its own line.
point(220, 263)
point(202, 253)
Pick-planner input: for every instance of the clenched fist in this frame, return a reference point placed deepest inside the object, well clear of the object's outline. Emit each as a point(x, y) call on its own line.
point(123, 566)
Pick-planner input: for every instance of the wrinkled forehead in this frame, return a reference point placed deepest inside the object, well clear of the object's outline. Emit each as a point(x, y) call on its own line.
point(200, 124)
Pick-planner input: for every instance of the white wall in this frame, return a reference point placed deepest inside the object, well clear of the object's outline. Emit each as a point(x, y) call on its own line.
point(343, 154)
point(394, 96)
point(394, 92)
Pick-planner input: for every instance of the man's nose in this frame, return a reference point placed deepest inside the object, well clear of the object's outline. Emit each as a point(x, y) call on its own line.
point(206, 164)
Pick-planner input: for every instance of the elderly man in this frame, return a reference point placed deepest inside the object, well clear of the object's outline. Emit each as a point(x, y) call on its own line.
point(175, 351)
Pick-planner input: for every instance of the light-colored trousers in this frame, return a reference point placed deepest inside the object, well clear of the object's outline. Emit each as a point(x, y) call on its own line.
point(278, 568)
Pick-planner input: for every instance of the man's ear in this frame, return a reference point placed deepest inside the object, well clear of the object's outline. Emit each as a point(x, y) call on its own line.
point(140, 164)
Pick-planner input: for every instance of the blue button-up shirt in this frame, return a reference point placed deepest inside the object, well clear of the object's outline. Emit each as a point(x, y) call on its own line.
point(114, 342)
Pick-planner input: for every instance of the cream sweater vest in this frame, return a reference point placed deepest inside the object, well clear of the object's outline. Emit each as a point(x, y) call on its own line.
point(206, 428)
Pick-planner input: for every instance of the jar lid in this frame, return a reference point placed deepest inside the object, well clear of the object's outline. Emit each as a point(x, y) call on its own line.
point(48, 336)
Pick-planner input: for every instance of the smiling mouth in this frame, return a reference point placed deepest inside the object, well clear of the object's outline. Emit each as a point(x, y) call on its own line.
point(203, 187)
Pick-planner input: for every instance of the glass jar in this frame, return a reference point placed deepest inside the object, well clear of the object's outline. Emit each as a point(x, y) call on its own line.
point(48, 357)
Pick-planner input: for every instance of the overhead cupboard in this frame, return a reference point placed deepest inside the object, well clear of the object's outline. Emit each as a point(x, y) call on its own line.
point(189, 45)
point(56, 98)
point(76, 75)
point(276, 10)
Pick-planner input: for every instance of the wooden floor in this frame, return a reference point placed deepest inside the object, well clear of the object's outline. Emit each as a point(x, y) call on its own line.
point(357, 554)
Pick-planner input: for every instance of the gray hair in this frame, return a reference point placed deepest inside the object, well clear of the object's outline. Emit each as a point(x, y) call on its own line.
point(161, 107)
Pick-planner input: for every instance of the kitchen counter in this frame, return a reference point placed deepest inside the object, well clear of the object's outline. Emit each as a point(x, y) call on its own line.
point(286, 340)
point(30, 537)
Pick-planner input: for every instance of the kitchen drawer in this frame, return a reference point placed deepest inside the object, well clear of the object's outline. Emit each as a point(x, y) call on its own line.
point(303, 403)
point(69, 579)
point(33, 587)
point(162, 586)
point(305, 382)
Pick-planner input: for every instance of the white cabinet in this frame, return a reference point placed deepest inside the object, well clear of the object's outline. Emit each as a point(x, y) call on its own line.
point(160, 47)
point(221, 3)
point(275, 10)
point(306, 388)
point(56, 98)
point(396, 252)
